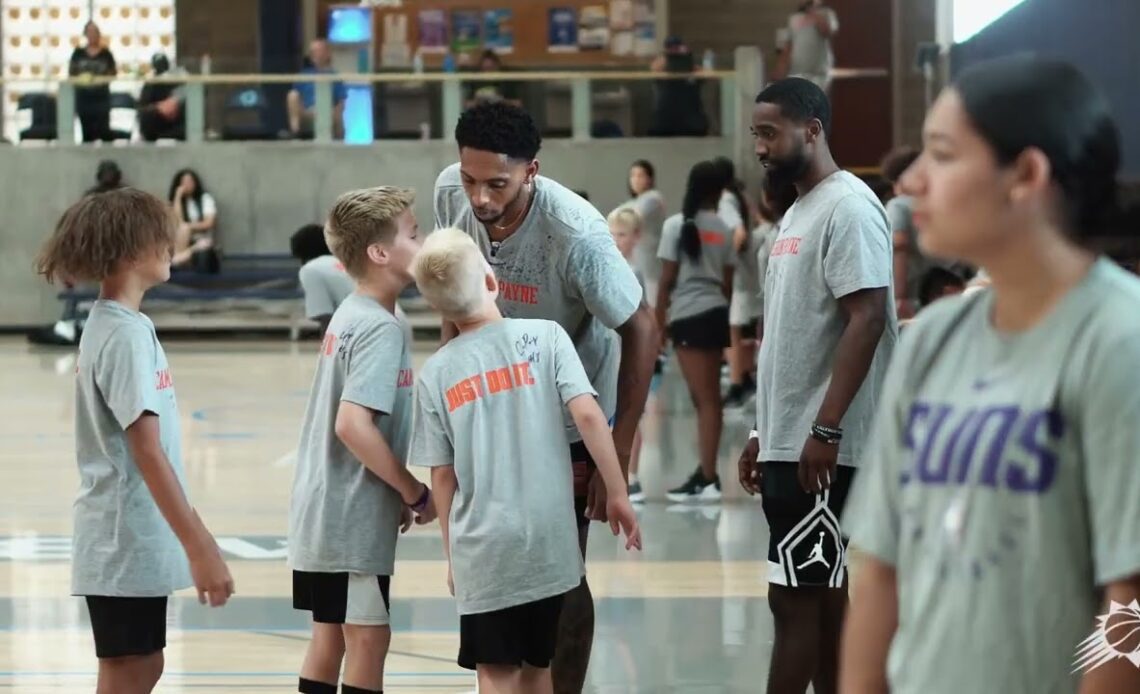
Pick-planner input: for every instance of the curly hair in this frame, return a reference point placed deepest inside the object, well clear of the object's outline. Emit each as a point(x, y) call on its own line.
point(103, 230)
point(500, 128)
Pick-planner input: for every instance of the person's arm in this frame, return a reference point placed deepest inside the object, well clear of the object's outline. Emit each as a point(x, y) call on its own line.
point(783, 52)
point(665, 285)
point(857, 270)
point(355, 427)
point(445, 484)
point(825, 20)
point(124, 374)
point(872, 620)
point(373, 357)
point(431, 447)
point(1108, 385)
point(73, 67)
point(209, 211)
point(612, 295)
point(866, 313)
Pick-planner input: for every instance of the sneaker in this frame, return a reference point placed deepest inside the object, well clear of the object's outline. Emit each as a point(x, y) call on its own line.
point(697, 488)
point(749, 385)
point(735, 397)
point(636, 495)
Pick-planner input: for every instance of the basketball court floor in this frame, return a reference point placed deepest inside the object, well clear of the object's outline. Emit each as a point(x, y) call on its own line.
point(688, 614)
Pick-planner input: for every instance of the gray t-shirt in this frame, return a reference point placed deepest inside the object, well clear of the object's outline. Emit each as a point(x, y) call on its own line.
point(1001, 483)
point(834, 241)
point(561, 265)
point(342, 516)
point(325, 284)
point(650, 206)
point(122, 546)
point(491, 403)
point(700, 283)
point(811, 55)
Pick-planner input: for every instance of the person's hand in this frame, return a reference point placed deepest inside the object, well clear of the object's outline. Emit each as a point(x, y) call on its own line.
point(169, 110)
point(406, 519)
point(211, 576)
point(658, 64)
point(751, 472)
point(428, 514)
point(202, 244)
point(450, 580)
point(904, 308)
point(817, 465)
point(624, 519)
point(596, 498)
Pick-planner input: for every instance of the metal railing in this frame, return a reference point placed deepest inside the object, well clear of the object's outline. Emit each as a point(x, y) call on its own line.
point(194, 94)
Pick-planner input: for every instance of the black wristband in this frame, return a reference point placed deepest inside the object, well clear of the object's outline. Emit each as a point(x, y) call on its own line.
point(422, 502)
point(830, 436)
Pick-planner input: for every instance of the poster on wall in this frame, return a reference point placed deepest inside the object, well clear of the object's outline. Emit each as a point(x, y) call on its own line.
point(621, 15)
point(497, 33)
point(563, 30)
point(593, 28)
point(395, 50)
point(644, 29)
point(433, 31)
point(466, 31)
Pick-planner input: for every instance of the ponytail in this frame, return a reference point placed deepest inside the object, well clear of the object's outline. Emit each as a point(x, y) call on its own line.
point(701, 193)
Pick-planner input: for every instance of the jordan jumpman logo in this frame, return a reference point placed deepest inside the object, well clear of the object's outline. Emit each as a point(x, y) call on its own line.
point(816, 556)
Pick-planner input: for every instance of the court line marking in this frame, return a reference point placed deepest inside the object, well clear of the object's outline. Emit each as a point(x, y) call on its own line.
point(305, 637)
point(93, 673)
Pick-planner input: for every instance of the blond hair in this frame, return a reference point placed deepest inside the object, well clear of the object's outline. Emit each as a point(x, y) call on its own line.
point(361, 218)
point(450, 273)
point(103, 230)
point(626, 217)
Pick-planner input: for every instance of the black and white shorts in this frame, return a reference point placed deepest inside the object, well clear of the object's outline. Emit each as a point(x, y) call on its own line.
point(707, 331)
point(127, 626)
point(807, 547)
point(343, 598)
point(514, 636)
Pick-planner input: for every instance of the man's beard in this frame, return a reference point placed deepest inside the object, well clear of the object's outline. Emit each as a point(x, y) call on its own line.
point(788, 171)
point(508, 212)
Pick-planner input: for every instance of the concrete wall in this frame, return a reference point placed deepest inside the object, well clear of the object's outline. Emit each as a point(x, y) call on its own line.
point(265, 191)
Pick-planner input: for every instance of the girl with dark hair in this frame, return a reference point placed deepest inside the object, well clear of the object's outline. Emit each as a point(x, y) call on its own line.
point(737, 214)
point(692, 301)
point(649, 204)
point(998, 507)
point(197, 213)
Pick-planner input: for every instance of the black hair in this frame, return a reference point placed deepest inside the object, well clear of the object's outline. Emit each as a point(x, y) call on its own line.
point(897, 161)
point(935, 283)
point(501, 128)
point(490, 54)
point(701, 192)
point(645, 166)
point(583, 194)
point(199, 189)
point(308, 242)
point(1017, 103)
point(736, 188)
point(108, 176)
point(799, 100)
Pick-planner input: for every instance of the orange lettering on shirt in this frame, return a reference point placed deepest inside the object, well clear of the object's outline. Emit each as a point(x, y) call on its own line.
point(163, 380)
point(522, 374)
point(711, 238)
point(786, 246)
point(499, 380)
point(519, 293)
point(405, 379)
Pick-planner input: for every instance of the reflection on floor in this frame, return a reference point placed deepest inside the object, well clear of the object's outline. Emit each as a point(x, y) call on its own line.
point(688, 614)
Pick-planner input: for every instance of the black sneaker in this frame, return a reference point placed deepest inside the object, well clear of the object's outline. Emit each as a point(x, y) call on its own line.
point(636, 495)
point(48, 336)
point(697, 488)
point(735, 397)
point(749, 385)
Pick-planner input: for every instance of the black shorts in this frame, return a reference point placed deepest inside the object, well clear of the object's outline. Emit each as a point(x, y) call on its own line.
point(511, 636)
point(708, 330)
point(343, 598)
point(584, 468)
point(806, 545)
point(127, 626)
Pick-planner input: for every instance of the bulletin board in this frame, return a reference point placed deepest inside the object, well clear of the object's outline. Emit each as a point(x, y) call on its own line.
point(525, 33)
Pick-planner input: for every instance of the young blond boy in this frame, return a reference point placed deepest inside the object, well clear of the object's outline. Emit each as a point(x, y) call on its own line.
point(136, 538)
point(490, 422)
point(625, 227)
point(352, 492)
